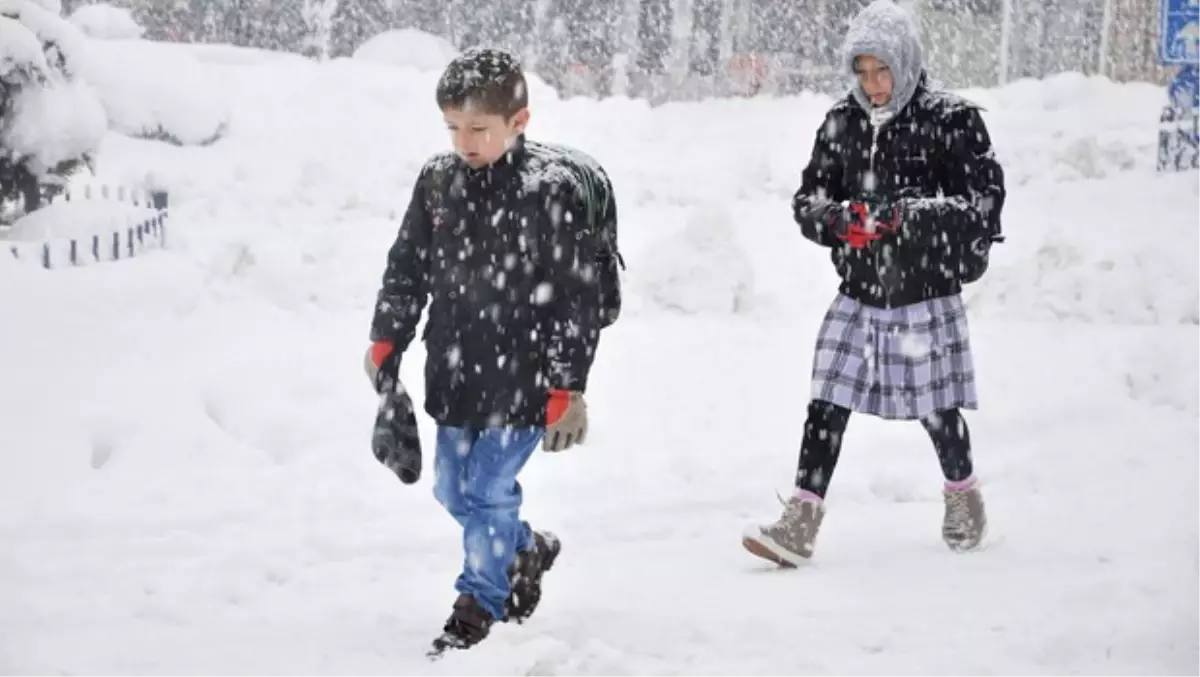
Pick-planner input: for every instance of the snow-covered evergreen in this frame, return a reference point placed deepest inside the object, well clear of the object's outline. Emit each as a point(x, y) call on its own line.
point(51, 120)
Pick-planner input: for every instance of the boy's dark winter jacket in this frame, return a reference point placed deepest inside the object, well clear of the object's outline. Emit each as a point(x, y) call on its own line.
point(934, 161)
point(509, 265)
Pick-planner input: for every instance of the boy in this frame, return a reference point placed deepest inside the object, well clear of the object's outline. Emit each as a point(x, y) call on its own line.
point(504, 236)
point(905, 191)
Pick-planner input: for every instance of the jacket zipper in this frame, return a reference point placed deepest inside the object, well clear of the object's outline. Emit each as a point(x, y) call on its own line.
point(876, 127)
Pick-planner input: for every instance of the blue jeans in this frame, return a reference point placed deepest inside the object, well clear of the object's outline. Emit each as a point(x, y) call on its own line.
point(475, 478)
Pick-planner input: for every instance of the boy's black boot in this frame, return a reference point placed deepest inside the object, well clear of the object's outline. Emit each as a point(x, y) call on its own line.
point(526, 578)
point(467, 626)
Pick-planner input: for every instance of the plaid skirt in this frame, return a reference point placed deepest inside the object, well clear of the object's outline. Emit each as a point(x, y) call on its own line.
point(895, 363)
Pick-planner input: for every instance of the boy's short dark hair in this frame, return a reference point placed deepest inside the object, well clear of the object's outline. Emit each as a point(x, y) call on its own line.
point(489, 80)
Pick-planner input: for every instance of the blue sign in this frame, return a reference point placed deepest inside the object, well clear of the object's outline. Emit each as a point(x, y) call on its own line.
point(1179, 32)
point(1184, 90)
point(1179, 124)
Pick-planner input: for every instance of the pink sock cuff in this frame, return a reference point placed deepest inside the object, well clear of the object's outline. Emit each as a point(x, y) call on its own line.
point(806, 495)
point(962, 485)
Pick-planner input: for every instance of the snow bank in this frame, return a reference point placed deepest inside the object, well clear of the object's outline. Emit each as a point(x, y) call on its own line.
point(66, 234)
point(103, 21)
point(702, 270)
point(426, 53)
point(409, 48)
point(1161, 373)
point(90, 222)
point(84, 210)
point(1129, 260)
point(1073, 127)
point(229, 55)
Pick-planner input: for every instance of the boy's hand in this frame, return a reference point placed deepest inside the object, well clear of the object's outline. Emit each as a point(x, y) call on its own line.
point(382, 363)
point(566, 420)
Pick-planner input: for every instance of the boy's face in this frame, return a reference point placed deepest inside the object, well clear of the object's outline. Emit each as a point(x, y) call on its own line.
point(875, 78)
point(481, 138)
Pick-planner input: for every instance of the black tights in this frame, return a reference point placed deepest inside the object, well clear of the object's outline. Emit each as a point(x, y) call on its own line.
point(826, 425)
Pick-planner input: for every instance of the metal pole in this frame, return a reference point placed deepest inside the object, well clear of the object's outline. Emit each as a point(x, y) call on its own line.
point(1005, 39)
point(1104, 67)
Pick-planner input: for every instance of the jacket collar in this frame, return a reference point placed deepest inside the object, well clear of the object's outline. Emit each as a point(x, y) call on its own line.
point(510, 158)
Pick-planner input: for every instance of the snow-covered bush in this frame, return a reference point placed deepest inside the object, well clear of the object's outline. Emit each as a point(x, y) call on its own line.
point(106, 22)
point(51, 120)
point(151, 93)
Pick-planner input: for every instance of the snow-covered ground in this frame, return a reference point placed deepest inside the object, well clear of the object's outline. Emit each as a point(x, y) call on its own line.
point(186, 484)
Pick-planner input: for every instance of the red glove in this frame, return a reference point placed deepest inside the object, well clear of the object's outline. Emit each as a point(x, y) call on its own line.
point(863, 227)
point(858, 236)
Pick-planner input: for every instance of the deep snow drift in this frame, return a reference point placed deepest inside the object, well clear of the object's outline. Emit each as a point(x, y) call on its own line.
point(186, 483)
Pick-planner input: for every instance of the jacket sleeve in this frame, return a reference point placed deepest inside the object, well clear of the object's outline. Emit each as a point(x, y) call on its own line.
point(820, 195)
point(405, 285)
point(571, 284)
point(973, 189)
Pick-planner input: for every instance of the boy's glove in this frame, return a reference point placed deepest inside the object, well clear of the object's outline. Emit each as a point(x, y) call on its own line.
point(566, 420)
point(382, 364)
point(395, 440)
